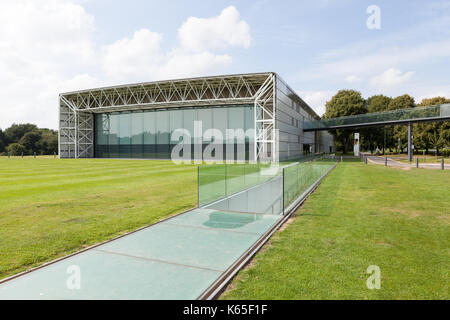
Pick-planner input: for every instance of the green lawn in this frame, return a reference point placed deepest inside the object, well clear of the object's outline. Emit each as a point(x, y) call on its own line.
point(51, 207)
point(359, 216)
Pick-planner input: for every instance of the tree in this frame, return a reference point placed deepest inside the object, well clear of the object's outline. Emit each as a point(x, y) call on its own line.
point(48, 144)
point(29, 136)
point(378, 103)
point(344, 103)
point(375, 136)
point(16, 149)
point(432, 134)
point(30, 141)
point(400, 132)
point(17, 131)
point(2, 141)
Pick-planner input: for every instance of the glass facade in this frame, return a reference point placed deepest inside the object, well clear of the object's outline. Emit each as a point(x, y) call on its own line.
point(147, 134)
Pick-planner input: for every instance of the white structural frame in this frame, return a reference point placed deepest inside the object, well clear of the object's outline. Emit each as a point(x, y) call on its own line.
point(77, 109)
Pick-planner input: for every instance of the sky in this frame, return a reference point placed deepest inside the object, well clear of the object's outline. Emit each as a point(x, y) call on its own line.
point(318, 47)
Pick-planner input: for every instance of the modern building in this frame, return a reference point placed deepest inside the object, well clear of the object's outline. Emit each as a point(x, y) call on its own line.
point(137, 120)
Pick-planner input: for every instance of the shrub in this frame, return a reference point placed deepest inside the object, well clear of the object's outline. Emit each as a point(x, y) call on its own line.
point(16, 149)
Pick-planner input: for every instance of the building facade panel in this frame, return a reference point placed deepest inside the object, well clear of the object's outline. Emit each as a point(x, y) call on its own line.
point(148, 134)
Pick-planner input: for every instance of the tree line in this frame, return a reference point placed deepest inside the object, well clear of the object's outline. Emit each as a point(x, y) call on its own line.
point(28, 139)
point(427, 135)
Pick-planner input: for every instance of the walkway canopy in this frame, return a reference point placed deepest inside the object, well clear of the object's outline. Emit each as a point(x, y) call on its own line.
point(405, 116)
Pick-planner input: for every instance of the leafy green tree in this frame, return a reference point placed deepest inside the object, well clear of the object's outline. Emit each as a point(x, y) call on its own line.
point(432, 134)
point(48, 144)
point(29, 136)
point(400, 132)
point(375, 136)
point(16, 149)
point(17, 131)
point(2, 141)
point(345, 103)
point(30, 140)
point(378, 103)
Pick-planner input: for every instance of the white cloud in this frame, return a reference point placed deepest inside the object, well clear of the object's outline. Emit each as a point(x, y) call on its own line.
point(352, 78)
point(364, 59)
point(431, 93)
point(192, 64)
point(220, 32)
point(390, 78)
point(128, 57)
point(316, 99)
point(43, 44)
point(36, 29)
point(47, 47)
point(141, 58)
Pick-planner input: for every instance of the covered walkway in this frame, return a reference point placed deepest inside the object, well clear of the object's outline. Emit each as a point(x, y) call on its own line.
point(394, 117)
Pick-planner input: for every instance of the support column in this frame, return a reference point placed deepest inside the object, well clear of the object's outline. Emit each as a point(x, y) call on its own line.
point(410, 155)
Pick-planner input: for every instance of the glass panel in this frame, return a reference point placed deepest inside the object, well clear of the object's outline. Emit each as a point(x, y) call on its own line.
point(211, 184)
point(189, 116)
point(150, 134)
point(137, 135)
point(242, 188)
point(113, 136)
point(235, 143)
point(299, 177)
point(125, 135)
point(250, 136)
point(101, 135)
point(162, 135)
point(205, 117)
point(176, 122)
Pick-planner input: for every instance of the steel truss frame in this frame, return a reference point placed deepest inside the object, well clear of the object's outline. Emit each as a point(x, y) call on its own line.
point(265, 133)
point(77, 109)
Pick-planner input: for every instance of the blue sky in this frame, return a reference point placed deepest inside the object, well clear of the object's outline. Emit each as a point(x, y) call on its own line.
point(318, 47)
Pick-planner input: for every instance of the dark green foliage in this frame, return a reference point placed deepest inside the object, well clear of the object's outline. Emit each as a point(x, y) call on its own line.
point(374, 137)
point(430, 135)
point(345, 103)
point(2, 141)
point(17, 131)
point(400, 133)
point(16, 149)
point(28, 138)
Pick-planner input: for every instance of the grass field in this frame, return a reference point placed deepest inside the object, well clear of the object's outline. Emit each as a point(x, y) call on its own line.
point(359, 216)
point(51, 207)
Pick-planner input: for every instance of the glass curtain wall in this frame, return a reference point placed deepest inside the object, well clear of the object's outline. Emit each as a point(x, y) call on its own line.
point(148, 133)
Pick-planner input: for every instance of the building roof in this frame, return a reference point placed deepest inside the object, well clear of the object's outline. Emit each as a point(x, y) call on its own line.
point(210, 90)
